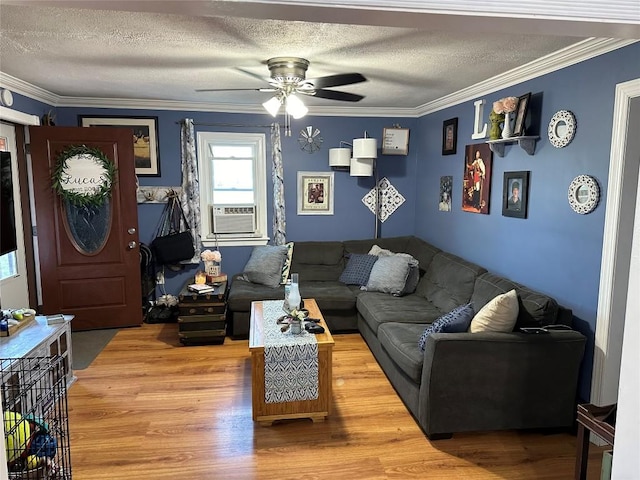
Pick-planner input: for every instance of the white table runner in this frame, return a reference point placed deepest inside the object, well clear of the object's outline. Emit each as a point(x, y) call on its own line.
point(290, 360)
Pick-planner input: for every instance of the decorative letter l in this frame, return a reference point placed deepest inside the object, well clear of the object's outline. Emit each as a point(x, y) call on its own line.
point(479, 104)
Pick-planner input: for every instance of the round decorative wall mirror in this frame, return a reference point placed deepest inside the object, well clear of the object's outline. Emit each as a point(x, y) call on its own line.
point(584, 194)
point(562, 128)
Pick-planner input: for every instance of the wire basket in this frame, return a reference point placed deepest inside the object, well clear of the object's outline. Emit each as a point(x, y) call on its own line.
point(34, 399)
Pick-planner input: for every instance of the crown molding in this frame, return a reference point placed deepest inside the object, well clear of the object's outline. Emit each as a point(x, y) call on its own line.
point(571, 55)
point(566, 57)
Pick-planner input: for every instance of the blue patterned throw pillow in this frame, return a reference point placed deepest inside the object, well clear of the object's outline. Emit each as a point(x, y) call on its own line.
point(456, 321)
point(358, 269)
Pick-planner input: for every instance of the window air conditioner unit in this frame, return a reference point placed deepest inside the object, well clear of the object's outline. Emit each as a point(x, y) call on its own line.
point(234, 218)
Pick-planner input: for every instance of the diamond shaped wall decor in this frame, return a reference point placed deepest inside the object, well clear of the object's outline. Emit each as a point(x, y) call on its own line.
point(390, 199)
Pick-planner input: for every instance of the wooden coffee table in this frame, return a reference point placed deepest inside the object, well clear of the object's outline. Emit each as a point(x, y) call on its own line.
point(316, 410)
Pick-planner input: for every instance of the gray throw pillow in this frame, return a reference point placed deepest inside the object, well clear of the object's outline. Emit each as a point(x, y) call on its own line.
point(265, 265)
point(389, 275)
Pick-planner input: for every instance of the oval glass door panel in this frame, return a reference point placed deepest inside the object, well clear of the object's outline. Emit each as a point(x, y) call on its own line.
point(88, 226)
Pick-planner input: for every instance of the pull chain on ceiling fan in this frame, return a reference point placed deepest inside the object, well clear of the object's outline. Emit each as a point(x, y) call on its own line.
point(288, 80)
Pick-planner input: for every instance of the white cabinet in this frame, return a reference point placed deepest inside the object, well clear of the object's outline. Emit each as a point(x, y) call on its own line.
point(41, 340)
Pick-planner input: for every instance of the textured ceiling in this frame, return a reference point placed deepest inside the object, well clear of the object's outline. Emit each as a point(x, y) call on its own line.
point(86, 52)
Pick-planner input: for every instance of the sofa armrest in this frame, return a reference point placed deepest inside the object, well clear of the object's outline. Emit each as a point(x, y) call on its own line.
point(494, 381)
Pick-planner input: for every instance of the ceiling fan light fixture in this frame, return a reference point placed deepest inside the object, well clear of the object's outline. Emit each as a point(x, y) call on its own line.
point(272, 105)
point(295, 107)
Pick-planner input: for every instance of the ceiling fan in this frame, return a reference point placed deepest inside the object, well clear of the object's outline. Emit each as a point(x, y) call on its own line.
point(288, 79)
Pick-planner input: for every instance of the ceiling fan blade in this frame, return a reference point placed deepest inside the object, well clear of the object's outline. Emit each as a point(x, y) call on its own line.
point(335, 95)
point(337, 80)
point(237, 90)
point(254, 75)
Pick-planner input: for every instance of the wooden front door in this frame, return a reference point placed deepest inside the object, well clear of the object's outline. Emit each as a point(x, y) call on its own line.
point(89, 257)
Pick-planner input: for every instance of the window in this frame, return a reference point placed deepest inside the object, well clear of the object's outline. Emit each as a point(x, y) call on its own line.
point(233, 194)
point(8, 267)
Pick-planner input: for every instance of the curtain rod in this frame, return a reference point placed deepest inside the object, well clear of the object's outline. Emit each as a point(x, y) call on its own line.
point(228, 125)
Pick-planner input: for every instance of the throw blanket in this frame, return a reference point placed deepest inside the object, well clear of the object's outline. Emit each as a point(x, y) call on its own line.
point(290, 361)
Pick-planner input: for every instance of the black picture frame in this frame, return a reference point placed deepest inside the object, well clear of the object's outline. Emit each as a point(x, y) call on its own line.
point(512, 180)
point(145, 132)
point(449, 136)
point(521, 115)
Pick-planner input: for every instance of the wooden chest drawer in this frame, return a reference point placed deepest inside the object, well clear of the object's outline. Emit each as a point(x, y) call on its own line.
point(203, 337)
point(194, 323)
point(202, 308)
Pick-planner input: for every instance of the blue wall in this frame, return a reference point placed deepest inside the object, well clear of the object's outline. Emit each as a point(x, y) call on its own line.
point(554, 250)
point(351, 219)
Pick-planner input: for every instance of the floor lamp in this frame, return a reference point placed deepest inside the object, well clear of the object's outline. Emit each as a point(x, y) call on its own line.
point(363, 164)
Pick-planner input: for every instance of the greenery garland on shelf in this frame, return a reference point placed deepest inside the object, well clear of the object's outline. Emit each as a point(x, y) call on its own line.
point(80, 199)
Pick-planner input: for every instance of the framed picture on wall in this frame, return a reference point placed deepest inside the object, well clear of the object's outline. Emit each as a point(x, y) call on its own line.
point(315, 193)
point(521, 115)
point(449, 136)
point(515, 194)
point(476, 181)
point(145, 139)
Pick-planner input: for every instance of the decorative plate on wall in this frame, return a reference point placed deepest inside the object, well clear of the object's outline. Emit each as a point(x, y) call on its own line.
point(584, 194)
point(562, 128)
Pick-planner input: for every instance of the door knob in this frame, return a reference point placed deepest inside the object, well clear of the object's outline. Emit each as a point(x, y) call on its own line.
point(132, 245)
point(131, 231)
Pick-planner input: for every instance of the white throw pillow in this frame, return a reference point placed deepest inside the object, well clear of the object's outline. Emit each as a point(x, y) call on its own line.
point(499, 315)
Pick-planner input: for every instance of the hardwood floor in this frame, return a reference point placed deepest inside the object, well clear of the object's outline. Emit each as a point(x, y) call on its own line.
point(148, 408)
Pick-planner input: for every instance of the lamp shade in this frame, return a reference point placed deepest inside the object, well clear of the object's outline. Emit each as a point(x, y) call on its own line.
point(365, 148)
point(339, 157)
point(361, 167)
point(272, 106)
point(295, 107)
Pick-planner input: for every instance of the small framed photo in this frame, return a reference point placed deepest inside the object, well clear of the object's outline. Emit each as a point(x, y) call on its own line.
point(521, 115)
point(145, 139)
point(449, 136)
point(315, 193)
point(515, 194)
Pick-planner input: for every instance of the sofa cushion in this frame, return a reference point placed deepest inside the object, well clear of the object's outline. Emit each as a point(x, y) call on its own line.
point(399, 340)
point(449, 281)
point(286, 268)
point(265, 265)
point(536, 309)
point(379, 308)
point(358, 269)
point(331, 296)
point(318, 261)
point(456, 321)
point(389, 275)
point(499, 315)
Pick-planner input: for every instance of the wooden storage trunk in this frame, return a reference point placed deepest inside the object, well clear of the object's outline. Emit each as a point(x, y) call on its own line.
point(202, 329)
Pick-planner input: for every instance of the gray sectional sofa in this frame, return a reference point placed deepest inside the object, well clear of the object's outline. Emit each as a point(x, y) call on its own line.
point(461, 381)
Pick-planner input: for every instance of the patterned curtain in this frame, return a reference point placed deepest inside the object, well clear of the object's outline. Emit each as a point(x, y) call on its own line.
point(190, 196)
point(277, 175)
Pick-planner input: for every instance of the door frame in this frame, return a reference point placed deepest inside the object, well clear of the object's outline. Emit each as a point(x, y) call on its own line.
point(616, 251)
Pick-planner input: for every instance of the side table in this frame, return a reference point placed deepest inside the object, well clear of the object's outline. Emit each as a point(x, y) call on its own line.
point(591, 419)
point(202, 317)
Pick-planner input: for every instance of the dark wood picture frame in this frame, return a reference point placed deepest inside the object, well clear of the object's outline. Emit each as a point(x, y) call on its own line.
point(145, 138)
point(521, 115)
point(515, 208)
point(449, 136)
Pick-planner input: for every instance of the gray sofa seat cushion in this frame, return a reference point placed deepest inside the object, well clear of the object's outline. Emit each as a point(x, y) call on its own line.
point(449, 281)
point(318, 261)
point(536, 309)
point(379, 308)
point(330, 296)
point(399, 340)
point(244, 292)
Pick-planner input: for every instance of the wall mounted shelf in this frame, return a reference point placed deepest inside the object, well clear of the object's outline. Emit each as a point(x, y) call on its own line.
point(527, 143)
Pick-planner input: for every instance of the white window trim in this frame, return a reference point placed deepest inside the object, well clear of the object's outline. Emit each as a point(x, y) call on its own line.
point(208, 239)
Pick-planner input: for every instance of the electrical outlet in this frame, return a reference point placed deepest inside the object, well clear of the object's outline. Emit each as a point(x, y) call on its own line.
point(160, 278)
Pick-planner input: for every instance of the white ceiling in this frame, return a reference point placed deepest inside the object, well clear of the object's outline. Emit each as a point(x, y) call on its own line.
point(151, 50)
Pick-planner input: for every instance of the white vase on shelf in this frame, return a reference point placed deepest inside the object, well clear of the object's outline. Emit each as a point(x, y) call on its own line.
point(506, 129)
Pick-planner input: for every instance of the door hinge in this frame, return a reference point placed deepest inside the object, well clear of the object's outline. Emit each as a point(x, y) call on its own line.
point(34, 230)
point(27, 149)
